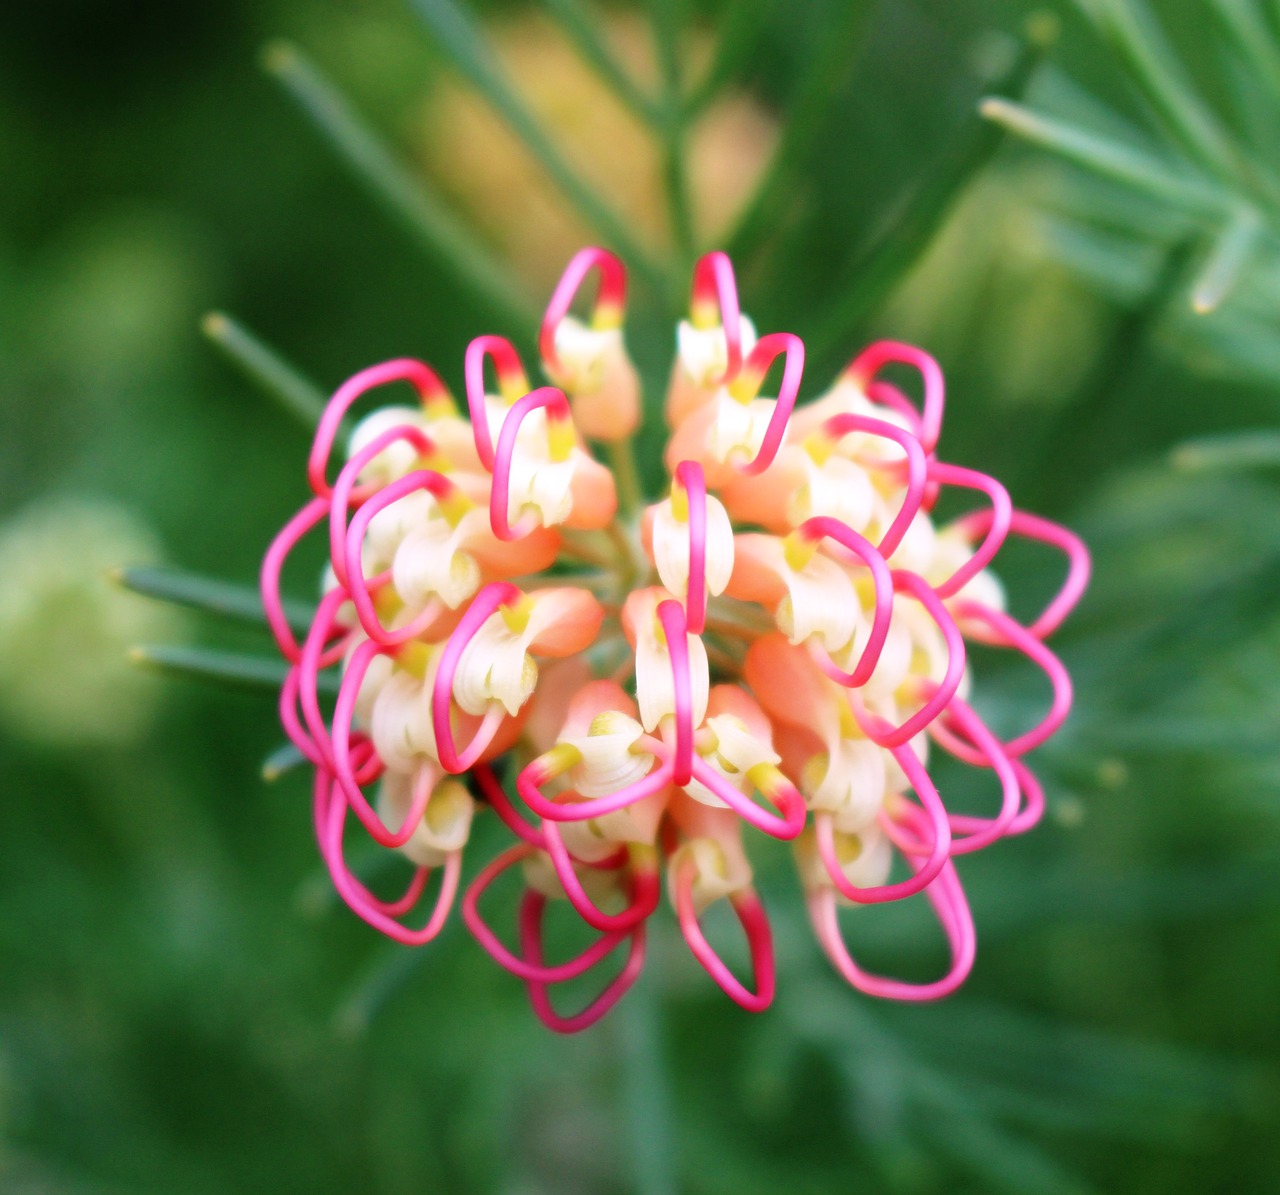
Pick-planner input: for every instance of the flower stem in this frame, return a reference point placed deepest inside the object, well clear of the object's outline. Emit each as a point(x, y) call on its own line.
point(622, 460)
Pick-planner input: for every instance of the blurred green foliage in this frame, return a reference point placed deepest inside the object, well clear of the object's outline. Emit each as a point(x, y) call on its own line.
point(184, 1006)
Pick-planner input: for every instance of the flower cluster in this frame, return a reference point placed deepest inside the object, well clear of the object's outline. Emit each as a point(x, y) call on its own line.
point(771, 648)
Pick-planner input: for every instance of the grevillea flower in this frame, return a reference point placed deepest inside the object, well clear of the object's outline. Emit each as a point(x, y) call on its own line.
point(769, 650)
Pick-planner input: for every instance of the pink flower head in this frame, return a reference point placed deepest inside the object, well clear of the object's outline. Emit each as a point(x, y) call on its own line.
point(767, 650)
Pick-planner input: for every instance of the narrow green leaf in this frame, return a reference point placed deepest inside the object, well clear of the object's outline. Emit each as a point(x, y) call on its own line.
point(223, 598)
point(373, 164)
point(1221, 272)
point(1123, 163)
point(1252, 38)
point(1228, 452)
point(297, 394)
point(735, 39)
point(667, 31)
point(234, 669)
point(577, 23)
point(1137, 39)
point(282, 760)
point(457, 36)
point(841, 38)
point(874, 272)
point(389, 974)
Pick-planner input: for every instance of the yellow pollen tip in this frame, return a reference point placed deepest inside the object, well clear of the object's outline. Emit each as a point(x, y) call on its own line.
point(513, 386)
point(560, 759)
point(606, 317)
point(414, 658)
point(704, 314)
point(439, 406)
point(746, 386)
point(798, 550)
point(454, 505)
point(517, 615)
point(820, 447)
point(679, 502)
point(766, 777)
point(560, 437)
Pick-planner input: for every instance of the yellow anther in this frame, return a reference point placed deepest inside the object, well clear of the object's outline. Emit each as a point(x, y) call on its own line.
point(766, 777)
point(560, 437)
point(439, 406)
point(454, 505)
point(609, 722)
point(704, 314)
point(387, 602)
point(560, 759)
point(435, 460)
point(679, 502)
point(513, 386)
point(415, 658)
point(820, 447)
point(606, 317)
point(517, 615)
point(745, 387)
point(798, 550)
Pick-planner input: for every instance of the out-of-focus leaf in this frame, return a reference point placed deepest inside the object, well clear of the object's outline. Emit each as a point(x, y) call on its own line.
point(1222, 270)
point(223, 598)
point(582, 31)
point(1229, 451)
point(234, 669)
point(457, 36)
point(282, 760)
point(260, 363)
point(433, 225)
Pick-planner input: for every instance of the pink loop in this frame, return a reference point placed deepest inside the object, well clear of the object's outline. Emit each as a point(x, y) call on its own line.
point(531, 778)
point(689, 475)
point(313, 660)
point(948, 900)
point(500, 492)
point(361, 902)
point(272, 566)
point(1043, 531)
point(822, 527)
point(864, 367)
point(646, 888)
point(883, 732)
point(885, 394)
point(485, 603)
point(917, 469)
point(511, 375)
point(789, 800)
point(433, 483)
point(998, 520)
point(612, 294)
point(492, 946)
point(498, 800)
point(420, 376)
point(937, 848)
point(766, 352)
point(1009, 633)
point(982, 832)
point(755, 925)
point(713, 282)
point(674, 627)
point(532, 907)
point(343, 488)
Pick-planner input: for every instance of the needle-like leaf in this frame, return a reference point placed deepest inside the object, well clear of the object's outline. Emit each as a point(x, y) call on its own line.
point(406, 196)
point(577, 23)
point(234, 669)
point(260, 363)
point(223, 598)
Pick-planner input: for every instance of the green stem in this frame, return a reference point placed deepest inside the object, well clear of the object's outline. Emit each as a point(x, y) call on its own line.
point(580, 28)
point(622, 460)
point(646, 1094)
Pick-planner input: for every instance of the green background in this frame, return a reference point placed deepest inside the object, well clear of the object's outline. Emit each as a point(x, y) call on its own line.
point(184, 1008)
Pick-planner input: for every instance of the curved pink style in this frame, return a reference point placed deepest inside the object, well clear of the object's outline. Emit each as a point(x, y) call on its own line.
point(344, 487)
point(998, 521)
point(1079, 565)
point(864, 367)
point(433, 483)
point(822, 527)
point(557, 407)
point(1009, 633)
point(671, 615)
point(714, 284)
point(789, 800)
point(917, 469)
point(531, 778)
point(610, 298)
point(936, 849)
point(485, 603)
point(500, 803)
point(689, 476)
point(273, 564)
point(644, 882)
point(767, 350)
point(511, 376)
point(751, 916)
point(532, 906)
point(882, 731)
point(492, 945)
point(419, 375)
